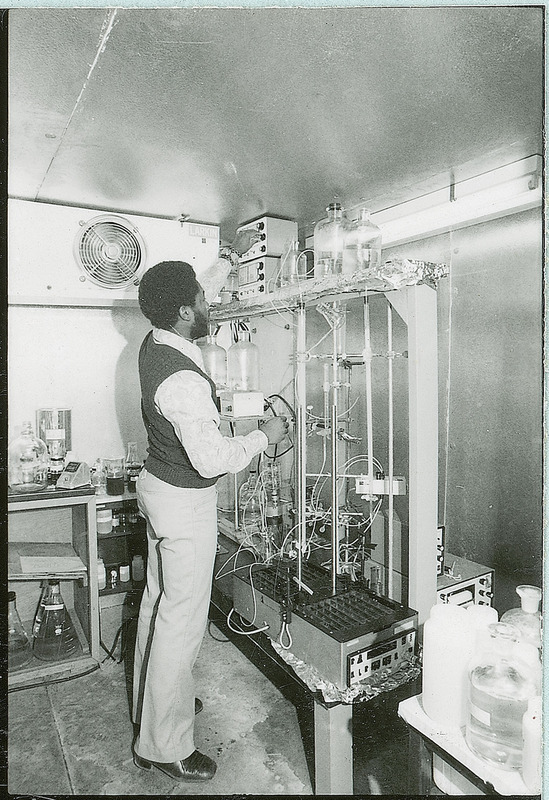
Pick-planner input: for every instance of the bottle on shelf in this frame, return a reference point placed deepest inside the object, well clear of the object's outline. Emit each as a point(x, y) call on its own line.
point(502, 680)
point(362, 245)
point(27, 462)
point(54, 636)
point(215, 361)
point(138, 569)
point(132, 466)
point(527, 618)
point(19, 647)
point(329, 235)
point(243, 365)
point(101, 574)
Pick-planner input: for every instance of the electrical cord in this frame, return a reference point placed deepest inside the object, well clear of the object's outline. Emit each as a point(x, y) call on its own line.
point(243, 633)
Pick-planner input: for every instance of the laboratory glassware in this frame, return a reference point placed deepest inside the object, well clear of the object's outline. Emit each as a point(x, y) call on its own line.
point(19, 647)
point(527, 618)
point(215, 361)
point(27, 462)
point(132, 466)
point(362, 245)
point(115, 475)
point(329, 236)
point(243, 366)
point(54, 636)
point(502, 679)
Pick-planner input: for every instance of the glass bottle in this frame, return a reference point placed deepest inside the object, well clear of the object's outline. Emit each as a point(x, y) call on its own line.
point(55, 637)
point(362, 245)
point(243, 366)
point(132, 466)
point(27, 462)
point(329, 236)
point(250, 506)
point(215, 361)
point(527, 618)
point(501, 682)
point(19, 648)
point(294, 266)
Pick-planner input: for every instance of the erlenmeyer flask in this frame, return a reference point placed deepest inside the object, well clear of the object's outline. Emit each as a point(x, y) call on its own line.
point(54, 635)
point(19, 649)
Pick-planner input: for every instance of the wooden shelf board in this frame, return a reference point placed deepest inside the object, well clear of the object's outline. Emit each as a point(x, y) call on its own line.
point(50, 550)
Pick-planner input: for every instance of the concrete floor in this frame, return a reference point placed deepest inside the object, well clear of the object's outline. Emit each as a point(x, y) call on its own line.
point(74, 738)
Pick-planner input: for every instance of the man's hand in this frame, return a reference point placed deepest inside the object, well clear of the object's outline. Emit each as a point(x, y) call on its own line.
point(275, 429)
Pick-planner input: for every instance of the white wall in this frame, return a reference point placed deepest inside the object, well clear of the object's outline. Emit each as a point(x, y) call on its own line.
point(84, 359)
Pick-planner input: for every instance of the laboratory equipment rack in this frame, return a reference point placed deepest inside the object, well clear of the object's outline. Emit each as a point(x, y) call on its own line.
point(52, 536)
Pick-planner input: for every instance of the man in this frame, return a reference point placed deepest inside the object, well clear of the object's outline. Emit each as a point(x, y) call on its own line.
point(177, 495)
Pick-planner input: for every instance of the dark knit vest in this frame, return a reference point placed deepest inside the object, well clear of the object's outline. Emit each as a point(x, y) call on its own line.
point(167, 458)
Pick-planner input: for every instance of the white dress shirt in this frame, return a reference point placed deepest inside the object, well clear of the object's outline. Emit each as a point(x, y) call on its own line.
point(185, 400)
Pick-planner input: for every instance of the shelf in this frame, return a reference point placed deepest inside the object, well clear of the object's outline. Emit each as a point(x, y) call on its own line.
point(393, 274)
point(24, 561)
point(37, 671)
point(125, 586)
point(102, 500)
point(117, 534)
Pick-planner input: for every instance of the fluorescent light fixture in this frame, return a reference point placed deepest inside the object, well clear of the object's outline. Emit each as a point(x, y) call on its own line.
point(506, 190)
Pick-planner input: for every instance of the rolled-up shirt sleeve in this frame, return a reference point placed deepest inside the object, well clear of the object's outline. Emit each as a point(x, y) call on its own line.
point(185, 400)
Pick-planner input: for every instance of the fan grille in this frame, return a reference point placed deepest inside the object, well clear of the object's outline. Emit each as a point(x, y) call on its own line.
point(110, 251)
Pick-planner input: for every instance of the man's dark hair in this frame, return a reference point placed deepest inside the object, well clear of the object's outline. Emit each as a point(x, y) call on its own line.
point(164, 288)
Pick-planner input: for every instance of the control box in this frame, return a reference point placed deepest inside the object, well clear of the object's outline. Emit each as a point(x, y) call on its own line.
point(258, 277)
point(242, 404)
point(465, 583)
point(348, 637)
point(275, 237)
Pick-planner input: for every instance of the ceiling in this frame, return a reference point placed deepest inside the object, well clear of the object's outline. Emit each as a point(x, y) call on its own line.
point(227, 114)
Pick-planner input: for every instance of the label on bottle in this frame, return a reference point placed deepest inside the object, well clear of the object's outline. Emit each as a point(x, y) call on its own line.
point(480, 714)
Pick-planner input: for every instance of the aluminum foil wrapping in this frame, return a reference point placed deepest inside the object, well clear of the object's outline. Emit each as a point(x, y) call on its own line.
point(382, 681)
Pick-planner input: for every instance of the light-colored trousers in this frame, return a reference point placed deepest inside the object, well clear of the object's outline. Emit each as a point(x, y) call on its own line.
point(182, 537)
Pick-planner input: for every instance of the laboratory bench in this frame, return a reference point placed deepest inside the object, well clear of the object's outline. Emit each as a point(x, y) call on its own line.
point(335, 735)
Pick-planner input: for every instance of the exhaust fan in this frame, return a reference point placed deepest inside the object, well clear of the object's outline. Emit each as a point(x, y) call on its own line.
point(110, 251)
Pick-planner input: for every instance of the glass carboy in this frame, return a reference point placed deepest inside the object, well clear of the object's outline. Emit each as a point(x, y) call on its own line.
point(215, 361)
point(243, 366)
point(502, 679)
point(362, 245)
point(27, 462)
point(527, 618)
point(329, 235)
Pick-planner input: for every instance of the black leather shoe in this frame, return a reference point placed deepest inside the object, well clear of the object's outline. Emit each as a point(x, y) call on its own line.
point(197, 767)
point(198, 705)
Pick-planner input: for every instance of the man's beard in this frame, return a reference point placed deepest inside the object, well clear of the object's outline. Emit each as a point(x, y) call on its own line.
point(200, 326)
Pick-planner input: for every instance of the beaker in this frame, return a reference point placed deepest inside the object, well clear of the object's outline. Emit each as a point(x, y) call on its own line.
point(114, 467)
point(27, 462)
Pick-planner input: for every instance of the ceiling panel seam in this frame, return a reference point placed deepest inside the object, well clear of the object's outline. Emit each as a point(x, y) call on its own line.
point(107, 27)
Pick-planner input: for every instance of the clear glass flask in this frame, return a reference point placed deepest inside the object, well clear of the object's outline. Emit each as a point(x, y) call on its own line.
point(329, 236)
point(250, 506)
point(53, 632)
point(362, 245)
point(243, 366)
point(19, 647)
point(502, 680)
point(132, 466)
point(27, 462)
point(215, 361)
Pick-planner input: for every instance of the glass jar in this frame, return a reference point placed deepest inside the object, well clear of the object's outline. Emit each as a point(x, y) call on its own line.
point(215, 361)
point(114, 468)
point(502, 680)
point(362, 245)
point(329, 236)
point(243, 366)
point(27, 462)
